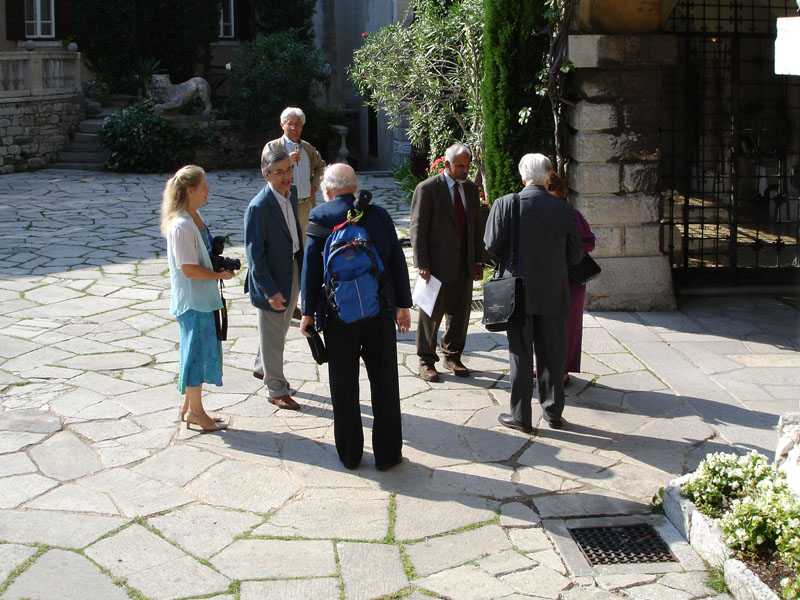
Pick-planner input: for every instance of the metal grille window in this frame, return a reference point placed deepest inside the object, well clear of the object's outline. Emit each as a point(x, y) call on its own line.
point(731, 147)
point(226, 29)
point(39, 19)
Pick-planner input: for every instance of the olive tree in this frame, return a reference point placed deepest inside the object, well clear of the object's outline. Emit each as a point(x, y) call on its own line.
point(425, 73)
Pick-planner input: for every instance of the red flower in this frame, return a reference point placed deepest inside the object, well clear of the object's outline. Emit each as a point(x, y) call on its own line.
point(364, 34)
point(436, 166)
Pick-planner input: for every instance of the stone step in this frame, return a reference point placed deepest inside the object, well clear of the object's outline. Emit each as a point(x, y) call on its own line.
point(86, 157)
point(117, 100)
point(86, 138)
point(77, 166)
point(90, 126)
point(84, 147)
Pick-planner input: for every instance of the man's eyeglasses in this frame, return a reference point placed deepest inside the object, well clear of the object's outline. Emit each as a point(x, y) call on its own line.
point(281, 172)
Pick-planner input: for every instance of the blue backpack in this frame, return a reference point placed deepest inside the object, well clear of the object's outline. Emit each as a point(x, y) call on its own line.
point(353, 276)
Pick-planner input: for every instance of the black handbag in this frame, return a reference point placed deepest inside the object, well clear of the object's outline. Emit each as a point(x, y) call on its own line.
point(584, 271)
point(318, 349)
point(504, 297)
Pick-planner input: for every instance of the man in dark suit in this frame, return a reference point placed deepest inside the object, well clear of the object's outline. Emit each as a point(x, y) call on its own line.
point(549, 241)
point(447, 241)
point(273, 242)
point(373, 338)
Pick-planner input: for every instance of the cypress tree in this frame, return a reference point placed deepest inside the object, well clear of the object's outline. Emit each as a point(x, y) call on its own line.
point(513, 55)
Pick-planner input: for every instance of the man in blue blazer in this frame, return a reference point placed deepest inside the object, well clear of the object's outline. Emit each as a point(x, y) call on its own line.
point(273, 242)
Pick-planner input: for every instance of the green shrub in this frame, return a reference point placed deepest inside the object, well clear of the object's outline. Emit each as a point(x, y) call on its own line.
point(406, 180)
point(136, 139)
point(269, 74)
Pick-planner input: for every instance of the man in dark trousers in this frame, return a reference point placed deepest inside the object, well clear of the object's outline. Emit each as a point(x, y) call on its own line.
point(372, 339)
point(549, 241)
point(447, 241)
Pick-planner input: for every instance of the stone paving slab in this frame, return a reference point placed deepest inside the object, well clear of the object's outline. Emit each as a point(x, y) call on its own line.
point(62, 575)
point(89, 436)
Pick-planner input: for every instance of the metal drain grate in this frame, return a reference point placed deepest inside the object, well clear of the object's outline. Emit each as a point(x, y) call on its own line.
point(477, 304)
point(620, 545)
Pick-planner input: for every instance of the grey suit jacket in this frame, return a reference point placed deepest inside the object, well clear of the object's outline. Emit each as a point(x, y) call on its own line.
point(435, 236)
point(549, 240)
point(268, 245)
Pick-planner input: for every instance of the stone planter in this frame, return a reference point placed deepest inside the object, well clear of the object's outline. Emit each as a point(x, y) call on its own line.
point(705, 537)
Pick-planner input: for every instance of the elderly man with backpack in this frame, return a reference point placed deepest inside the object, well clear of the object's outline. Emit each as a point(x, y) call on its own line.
point(356, 309)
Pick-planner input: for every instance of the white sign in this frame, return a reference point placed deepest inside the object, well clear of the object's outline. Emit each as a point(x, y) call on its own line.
point(787, 46)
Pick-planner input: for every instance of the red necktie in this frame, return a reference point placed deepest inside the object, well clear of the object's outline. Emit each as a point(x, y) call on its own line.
point(461, 216)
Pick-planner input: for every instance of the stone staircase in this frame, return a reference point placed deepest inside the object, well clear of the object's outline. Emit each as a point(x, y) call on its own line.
point(84, 151)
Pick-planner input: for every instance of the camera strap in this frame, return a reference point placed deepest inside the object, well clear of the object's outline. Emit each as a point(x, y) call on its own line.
point(221, 316)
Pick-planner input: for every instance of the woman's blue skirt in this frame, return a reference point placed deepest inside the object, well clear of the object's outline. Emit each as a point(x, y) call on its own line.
point(200, 351)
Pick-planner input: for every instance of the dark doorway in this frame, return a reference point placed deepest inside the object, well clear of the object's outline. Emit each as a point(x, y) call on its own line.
point(731, 144)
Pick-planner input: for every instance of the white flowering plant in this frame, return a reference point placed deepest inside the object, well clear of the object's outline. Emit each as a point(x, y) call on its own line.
point(757, 511)
point(722, 478)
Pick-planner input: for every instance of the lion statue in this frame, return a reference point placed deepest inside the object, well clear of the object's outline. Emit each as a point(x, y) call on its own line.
point(172, 97)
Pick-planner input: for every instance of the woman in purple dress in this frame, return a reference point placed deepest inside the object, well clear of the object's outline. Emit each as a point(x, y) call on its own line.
point(577, 292)
point(577, 296)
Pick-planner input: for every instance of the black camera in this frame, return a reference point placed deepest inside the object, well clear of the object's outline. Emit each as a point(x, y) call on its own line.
point(218, 261)
point(362, 201)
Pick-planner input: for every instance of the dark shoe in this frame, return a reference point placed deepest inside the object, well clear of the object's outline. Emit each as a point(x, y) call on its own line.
point(297, 315)
point(555, 423)
point(389, 465)
point(428, 372)
point(510, 422)
point(286, 402)
point(258, 374)
point(566, 380)
point(457, 367)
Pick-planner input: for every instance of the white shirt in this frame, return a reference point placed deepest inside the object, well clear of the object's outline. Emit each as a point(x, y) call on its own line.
point(452, 182)
point(301, 175)
point(288, 214)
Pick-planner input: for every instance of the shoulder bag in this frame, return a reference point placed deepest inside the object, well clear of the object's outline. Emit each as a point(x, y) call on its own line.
point(504, 297)
point(584, 271)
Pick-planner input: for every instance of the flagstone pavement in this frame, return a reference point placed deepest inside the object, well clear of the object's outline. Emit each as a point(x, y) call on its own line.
point(103, 494)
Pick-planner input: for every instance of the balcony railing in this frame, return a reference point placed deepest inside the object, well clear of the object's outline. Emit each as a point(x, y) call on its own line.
point(46, 73)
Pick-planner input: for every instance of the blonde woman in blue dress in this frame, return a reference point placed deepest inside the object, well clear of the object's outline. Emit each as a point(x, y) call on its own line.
point(194, 291)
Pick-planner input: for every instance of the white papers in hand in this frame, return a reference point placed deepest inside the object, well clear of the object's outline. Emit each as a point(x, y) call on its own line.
point(425, 294)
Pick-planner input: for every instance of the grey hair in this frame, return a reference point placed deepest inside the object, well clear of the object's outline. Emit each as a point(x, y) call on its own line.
point(271, 157)
point(331, 181)
point(456, 150)
point(535, 168)
point(293, 111)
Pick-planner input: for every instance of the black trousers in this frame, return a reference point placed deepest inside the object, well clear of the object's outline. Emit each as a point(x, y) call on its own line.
point(544, 335)
point(373, 340)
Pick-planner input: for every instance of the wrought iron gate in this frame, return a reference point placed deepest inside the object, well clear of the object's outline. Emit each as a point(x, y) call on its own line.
point(731, 147)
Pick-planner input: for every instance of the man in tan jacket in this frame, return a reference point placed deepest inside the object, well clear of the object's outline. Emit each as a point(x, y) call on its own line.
point(307, 165)
point(306, 161)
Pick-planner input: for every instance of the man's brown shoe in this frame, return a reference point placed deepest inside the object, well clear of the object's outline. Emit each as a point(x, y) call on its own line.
point(457, 367)
point(428, 372)
point(286, 402)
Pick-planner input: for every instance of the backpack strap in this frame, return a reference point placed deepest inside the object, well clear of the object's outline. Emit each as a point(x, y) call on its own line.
point(318, 231)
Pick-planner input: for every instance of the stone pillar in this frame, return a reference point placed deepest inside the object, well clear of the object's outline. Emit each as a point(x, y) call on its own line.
point(613, 169)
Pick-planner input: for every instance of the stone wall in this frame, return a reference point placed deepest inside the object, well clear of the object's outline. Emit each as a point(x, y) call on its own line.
point(34, 130)
point(235, 148)
point(613, 168)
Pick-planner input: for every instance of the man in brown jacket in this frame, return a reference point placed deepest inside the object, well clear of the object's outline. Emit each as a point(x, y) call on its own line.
point(307, 166)
point(447, 239)
point(306, 161)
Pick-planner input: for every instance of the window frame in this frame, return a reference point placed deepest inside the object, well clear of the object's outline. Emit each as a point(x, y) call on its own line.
point(231, 4)
point(37, 21)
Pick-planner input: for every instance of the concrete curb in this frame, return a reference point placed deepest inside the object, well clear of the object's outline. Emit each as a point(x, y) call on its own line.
point(705, 537)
